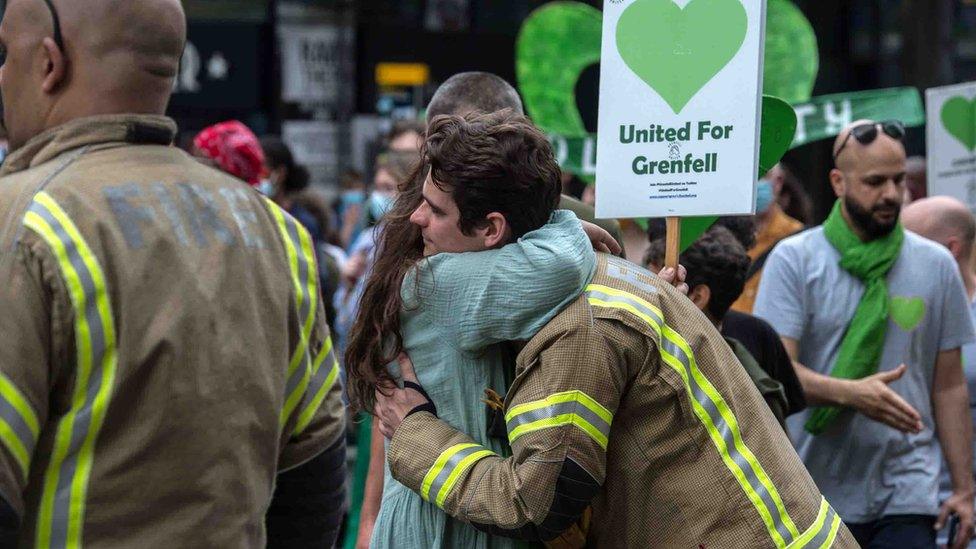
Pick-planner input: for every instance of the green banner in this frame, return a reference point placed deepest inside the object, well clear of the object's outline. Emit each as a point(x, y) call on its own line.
point(825, 116)
point(822, 117)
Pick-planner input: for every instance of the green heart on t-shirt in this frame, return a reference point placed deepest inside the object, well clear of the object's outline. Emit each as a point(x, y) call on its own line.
point(907, 312)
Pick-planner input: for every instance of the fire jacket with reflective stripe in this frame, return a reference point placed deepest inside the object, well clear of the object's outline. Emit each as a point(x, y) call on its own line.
point(163, 350)
point(629, 401)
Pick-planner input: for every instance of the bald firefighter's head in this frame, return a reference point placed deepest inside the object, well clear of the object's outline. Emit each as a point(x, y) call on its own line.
point(67, 59)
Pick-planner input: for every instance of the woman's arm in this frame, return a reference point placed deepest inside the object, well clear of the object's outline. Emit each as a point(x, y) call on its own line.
point(507, 293)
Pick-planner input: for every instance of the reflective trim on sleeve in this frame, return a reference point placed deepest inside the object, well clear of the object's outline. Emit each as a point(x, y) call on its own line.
point(713, 412)
point(323, 378)
point(65, 484)
point(567, 408)
point(448, 468)
point(19, 426)
point(301, 260)
point(822, 532)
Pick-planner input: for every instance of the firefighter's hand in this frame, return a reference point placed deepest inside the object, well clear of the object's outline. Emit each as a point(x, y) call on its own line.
point(601, 239)
point(675, 277)
point(874, 398)
point(393, 403)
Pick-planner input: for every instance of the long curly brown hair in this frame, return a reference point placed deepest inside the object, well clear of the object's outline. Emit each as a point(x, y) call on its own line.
point(489, 163)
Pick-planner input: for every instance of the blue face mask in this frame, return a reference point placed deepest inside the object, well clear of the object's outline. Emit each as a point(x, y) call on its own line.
point(379, 204)
point(764, 195)
point(351, 197)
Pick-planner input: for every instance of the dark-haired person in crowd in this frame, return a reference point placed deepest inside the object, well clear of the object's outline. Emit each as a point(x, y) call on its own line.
point(717, 264)
point(285, 180)
point(451, 309)
point(758, 337)
point(625, 399)
point(874, 318)
point(772, 225)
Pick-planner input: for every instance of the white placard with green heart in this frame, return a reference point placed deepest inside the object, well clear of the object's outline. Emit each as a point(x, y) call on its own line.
point(950, 131)
point(680, 98)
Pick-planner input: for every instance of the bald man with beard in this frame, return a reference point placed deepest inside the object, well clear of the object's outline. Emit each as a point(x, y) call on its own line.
point(874, 317)
point(163, 349)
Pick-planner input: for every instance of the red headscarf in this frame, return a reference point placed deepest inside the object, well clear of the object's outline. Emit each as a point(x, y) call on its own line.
point(234, 148)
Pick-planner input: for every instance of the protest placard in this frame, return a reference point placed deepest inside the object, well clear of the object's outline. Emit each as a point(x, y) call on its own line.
point(680, 92)
point(951, 142)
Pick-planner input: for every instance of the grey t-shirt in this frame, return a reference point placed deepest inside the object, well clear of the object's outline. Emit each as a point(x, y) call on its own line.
point(866, 469)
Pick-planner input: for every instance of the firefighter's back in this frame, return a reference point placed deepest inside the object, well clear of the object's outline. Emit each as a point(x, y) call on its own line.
point(177, 332)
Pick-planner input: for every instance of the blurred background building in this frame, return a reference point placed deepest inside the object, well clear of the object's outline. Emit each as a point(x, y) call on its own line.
point(331, 75)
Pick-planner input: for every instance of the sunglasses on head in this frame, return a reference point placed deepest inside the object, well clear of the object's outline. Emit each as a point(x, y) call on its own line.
point(866, 133)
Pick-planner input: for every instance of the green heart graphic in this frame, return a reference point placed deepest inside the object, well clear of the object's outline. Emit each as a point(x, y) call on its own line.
point(959, 119)
point(791, 58)
point(907, 312)
point(677, 51)
point(554, 46)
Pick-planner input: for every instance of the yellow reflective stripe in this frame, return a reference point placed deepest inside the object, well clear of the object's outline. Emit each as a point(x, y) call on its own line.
point(11, 394)
point(16, 447)
point(560, 409)
point(19, 427)
point(65, 484)
point(306, 294)
point(308, 412)
point(781, 527)
point(461, 467)
point(438, 467)
point(822, 533)
point(627, 295)
point(559, 421)
point(629, 307)
point(739, 444)
point(556, 398)
point(814, 528)
point(834, 528)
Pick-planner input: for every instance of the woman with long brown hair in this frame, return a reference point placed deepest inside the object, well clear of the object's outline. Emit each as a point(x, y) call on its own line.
point(484, 181)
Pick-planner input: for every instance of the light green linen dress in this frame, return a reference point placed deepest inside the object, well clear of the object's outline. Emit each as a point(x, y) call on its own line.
point(457, 309)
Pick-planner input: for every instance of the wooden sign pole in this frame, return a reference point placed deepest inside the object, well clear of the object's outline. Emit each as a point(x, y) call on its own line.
point(673, 242)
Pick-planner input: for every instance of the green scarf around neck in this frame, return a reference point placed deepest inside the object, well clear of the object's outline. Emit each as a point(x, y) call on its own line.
point(869, 262)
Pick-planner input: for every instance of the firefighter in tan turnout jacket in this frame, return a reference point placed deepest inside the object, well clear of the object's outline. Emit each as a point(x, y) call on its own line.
point(163, 348)
point(628, 400)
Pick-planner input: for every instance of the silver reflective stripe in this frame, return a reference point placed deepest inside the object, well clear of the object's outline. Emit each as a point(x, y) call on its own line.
point(319, 378)
point(18, 425)
point(449, 466)
point(825, 533)
point(628, 272)
point(612, 298)
point(305, 309)
point(726, 433)
point(83, 418)
point(559, 409)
